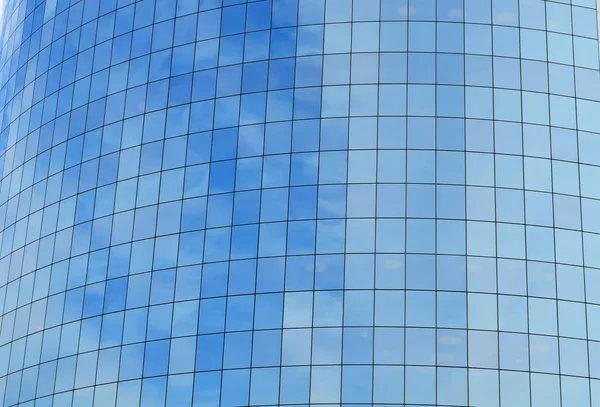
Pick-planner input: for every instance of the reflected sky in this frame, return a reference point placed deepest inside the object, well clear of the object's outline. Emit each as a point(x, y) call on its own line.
point(226, 203)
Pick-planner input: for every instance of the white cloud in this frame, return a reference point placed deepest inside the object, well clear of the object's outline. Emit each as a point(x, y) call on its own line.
point(407, 11)
point(506, 18)
point(553, 25)
point(455, 13)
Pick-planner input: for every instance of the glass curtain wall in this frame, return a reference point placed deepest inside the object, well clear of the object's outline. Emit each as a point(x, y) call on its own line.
point(229, 203)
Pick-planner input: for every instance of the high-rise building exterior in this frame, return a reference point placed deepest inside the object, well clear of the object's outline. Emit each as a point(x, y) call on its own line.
point(230, 203)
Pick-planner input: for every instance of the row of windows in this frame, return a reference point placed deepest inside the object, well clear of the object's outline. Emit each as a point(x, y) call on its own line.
point(295, 170)
point(323, 236)
point(301, 72)
point(233, 19)
point(298, 169)
point(302, 138)
point(154, 125)
point(295, 273)
point(381, 346)
point(328, 233)
point(420, 204)
point(299, 347)
point(280, 76)
point(305, 103)
point(255, 47)
point(444, 309)
point(316, 385)
point(251, 17)
point(303, 203)
point(310, 40)
point(326, 102)
point(488, 179)
point(380, 308)
point(141, 290)
point(159, 69)
point(262, 15)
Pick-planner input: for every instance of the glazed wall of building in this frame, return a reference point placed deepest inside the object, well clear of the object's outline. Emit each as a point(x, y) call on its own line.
point(223, 203)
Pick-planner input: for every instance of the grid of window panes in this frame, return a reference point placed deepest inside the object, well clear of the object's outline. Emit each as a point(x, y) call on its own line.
point(228, 203)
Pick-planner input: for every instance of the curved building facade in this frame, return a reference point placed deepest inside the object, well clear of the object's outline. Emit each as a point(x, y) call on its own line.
point(230, 203)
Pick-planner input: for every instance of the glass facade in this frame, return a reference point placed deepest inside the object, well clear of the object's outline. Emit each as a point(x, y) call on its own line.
point(229, 203)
